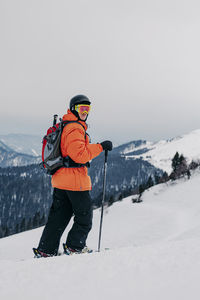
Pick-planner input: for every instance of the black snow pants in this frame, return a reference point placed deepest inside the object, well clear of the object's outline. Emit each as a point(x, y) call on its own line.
point(65, 205)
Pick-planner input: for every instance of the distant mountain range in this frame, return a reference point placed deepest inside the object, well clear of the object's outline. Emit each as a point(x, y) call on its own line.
point(23, 143)
point(19, 150)
point(11, 158)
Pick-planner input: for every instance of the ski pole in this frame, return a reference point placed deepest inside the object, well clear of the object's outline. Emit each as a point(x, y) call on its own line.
point(103, 198)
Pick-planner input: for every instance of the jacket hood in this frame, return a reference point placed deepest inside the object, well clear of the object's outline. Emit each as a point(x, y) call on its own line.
point(71, 117)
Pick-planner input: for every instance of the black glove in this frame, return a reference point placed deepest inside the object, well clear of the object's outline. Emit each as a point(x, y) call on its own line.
point(107, 145)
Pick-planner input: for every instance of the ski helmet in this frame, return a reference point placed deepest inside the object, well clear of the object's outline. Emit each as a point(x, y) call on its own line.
point(79, 99)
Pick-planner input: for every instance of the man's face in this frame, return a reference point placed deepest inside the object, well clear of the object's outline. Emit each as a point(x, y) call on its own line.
point(82, 116)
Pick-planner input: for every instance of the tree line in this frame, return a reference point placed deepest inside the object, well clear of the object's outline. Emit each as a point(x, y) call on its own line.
point(26, 224)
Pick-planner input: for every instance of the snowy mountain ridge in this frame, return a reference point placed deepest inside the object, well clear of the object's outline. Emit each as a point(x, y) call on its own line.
point(11, 158)
point(160, 154)
point(23, 143)
point(154, 253)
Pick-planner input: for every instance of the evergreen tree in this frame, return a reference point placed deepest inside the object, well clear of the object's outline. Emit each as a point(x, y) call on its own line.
point(111, 200)
point(30, 224)
point(149, 183)
point(36, 220)
point(156, 178)
point(141, 189)
point(6, 232)
point(1, 232)
point(175, 162)
point(193, 165)
point(120, 197)
point(23, 225)
point(188, 174)
point(179, 166)
point(17, 228)
point(164, 178)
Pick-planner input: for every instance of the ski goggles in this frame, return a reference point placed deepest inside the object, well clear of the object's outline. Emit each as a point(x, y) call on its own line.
point(83, 108)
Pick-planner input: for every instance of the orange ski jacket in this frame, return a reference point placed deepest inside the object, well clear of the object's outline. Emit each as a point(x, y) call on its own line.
point(75, 144)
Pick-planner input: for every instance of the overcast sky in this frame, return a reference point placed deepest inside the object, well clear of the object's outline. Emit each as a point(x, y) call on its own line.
point(138, 61)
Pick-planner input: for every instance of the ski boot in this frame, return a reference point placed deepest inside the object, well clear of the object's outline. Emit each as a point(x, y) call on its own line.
point(70, 251)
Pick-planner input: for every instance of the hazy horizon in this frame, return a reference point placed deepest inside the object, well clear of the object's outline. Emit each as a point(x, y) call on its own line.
point(116, 144)
point(138, 62)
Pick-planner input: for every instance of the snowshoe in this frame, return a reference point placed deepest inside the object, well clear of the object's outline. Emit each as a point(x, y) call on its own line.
point(39, 254)
point(70, 251)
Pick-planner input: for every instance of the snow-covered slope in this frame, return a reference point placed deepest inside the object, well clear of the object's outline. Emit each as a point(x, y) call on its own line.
point(154, 253)
point(161, 153)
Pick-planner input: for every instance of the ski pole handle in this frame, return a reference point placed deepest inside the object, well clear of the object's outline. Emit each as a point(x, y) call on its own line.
point(55, 119)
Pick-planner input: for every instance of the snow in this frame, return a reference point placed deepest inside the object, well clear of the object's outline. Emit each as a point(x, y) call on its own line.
point(154, 253)
point(161, 153)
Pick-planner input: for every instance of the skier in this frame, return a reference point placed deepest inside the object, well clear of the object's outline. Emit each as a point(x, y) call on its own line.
point(72, 185)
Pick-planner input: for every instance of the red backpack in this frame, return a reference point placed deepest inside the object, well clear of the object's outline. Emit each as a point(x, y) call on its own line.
point(52, 158)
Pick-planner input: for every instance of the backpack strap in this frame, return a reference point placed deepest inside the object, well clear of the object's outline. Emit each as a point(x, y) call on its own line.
point(64, 123)
point(68, 162)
